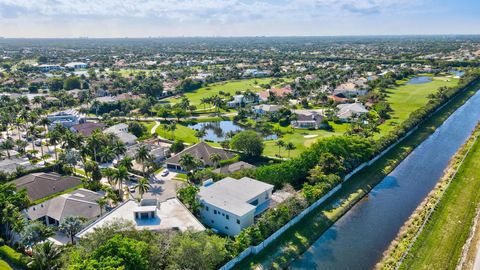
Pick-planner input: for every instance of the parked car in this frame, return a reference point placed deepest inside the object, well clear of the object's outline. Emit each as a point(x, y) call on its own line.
point(38, 143)
point(133, 178)
point(132, 189)
point(165, 173)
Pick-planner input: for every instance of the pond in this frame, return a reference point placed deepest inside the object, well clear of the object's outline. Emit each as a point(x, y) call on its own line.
point(419, 80)
point(218, 131)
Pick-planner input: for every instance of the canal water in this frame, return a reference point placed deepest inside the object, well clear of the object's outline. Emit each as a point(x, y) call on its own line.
point(359, 238)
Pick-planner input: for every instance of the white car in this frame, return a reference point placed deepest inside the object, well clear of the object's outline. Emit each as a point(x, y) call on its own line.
point(165, 173)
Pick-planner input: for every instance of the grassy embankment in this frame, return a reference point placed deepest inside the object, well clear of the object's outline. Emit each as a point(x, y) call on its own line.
point(440, 243)
point(4, 265)
point(299, 238)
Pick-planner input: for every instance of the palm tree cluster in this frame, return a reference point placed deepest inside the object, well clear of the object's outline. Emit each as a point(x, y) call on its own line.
point(289, 146)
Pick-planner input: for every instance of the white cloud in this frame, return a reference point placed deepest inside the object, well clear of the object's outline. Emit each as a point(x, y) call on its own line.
point(221, 10)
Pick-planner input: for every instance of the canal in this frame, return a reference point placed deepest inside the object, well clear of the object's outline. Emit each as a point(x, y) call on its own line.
point(359, 238)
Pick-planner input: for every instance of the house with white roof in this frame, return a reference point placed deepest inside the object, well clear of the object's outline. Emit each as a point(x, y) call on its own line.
point(66, 118)
point(231, 205)
point(76, 65)
point(149, 215)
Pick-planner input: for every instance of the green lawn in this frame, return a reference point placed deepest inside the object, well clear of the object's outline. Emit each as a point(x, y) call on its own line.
point(297, 137)
point(4, 265)
point(407, 98)
point(227, 87)
point(440, 243)
point(297, 239)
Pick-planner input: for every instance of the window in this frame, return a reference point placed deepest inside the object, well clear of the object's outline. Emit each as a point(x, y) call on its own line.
point(206, 208)
point(212, 221)
point(266, 196)
point(214, 212)
point(254, 203)
point(238, 221)
point(223, 214)
point(227, 216)
point(226, 227)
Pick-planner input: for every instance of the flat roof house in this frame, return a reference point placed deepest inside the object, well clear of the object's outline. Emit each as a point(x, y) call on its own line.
point(79, 203)
point(41, 185)
point(201, 151)
point(266, 108)
point(76, 65)
point(66, 118)
point(149, 215)
point(231, 205)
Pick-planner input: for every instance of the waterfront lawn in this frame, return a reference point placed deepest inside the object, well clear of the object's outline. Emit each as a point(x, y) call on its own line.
point(440, 243)
point(298, 238)
point(227, 87)
point(407, 98)
point(181, 132)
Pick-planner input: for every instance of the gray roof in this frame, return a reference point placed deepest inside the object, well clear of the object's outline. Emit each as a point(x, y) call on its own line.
point(10, 165)
point(116, 128)
point(233, 195)
point(268, 107)
point(348, 110)
point(126, 137)
point(234, 167)
point(41, 185)
point(78, 203)
point(202, 151)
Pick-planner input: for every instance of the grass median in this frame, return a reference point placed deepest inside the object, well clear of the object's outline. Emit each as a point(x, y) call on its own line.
point(440, 243)
point(300, 237)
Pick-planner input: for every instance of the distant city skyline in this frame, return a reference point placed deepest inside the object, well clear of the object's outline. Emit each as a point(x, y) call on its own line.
point(169, 18)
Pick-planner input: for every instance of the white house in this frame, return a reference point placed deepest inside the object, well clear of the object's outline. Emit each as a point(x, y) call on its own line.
point(231, 205)
point(76, 65)
point(266, 108)
point(239, 100)
point(66, 118)
point(47, 67)
point(149, 215)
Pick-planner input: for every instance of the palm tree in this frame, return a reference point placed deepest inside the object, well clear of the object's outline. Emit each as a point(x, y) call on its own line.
point(71, 226)
point(120, 175)
point(188, 163)
point(109, 173)
point(106, 154)
point(143, 156)
point(289, 146)
point(171, 127)
point(95, 142)
point(101, 204)
point(126, 162)
point(32, 132)
point(143, 186)
point(119, 148)
point(280, 144)
point(45, 122)
point(200, 133)
point(215, 158)
point(45, 256)
point(7, 145)
point(54, 138)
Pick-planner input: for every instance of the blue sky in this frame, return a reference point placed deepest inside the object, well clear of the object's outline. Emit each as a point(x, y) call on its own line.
point(143, 18)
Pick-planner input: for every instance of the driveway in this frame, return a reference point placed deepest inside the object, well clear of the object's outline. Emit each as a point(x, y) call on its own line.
point(163, 188)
